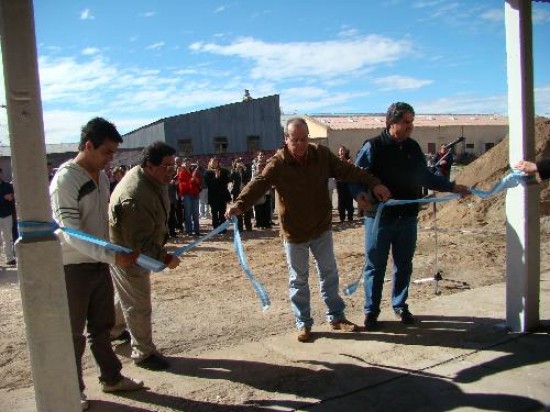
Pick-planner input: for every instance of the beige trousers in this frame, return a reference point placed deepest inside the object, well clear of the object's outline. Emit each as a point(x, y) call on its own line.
point(133, 308)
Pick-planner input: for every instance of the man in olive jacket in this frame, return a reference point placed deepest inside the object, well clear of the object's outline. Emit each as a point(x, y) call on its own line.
point(138, 219)
point(300, 172)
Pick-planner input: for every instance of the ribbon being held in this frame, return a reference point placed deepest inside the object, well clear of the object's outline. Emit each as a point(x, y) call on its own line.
point(509, 181)
point(30, 229)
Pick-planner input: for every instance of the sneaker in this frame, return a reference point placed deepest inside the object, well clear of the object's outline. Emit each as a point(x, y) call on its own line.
point(84, 404)
point(371, 321)
point(154, 362)
point(11, 262)
point(405, 316)
point(123, 337)
point(344, 325)
point(304, 334)
point(123, 385)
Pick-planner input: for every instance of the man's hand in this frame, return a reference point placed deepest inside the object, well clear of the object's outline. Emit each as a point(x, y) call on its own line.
point(462, 190)
point(173, 262)
point(125, 260)
point(528, 167)
point(363, 202)
point(232, 211)
point(8, 197)
point(381, 192)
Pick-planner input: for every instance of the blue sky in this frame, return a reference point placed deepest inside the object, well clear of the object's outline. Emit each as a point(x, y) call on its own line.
point(137, 61)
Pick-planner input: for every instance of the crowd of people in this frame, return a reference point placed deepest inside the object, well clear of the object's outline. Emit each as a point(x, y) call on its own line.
point(109, 295)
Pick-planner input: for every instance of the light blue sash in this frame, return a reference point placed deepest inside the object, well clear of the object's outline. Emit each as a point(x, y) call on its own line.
point(28, 230)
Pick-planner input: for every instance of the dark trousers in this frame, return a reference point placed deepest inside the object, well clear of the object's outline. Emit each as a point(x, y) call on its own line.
point(179, 213)
point(262, 214)
point(245, 219)
point(218, 211)
point(90, 295)
point(345, 201)
point(173, 220)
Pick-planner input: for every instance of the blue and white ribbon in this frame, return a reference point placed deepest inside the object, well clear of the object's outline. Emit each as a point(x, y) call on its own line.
point(511, 180)
point(258, 287)
point(29, 230)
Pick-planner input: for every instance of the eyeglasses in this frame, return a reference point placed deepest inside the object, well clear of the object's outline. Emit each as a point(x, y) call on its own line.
point(168, 167)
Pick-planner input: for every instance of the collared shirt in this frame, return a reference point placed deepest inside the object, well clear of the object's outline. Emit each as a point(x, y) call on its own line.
point(138, 214)
point(303, 204)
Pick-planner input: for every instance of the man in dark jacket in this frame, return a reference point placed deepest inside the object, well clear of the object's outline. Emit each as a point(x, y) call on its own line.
point(399, 163)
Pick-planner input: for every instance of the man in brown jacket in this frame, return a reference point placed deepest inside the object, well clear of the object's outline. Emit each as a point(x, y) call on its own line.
point(300, 172)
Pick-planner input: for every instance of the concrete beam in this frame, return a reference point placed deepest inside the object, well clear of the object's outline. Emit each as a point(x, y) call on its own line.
point(42, 281)
point(522, 203)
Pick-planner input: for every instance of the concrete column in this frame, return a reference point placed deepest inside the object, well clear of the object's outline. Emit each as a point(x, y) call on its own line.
point(40, 266)
point(522, 203)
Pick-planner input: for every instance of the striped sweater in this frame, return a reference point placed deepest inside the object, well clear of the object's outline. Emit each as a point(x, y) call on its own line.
point(79, 203)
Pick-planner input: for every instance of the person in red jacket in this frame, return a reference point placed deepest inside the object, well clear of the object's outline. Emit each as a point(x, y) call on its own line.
point(189, 188)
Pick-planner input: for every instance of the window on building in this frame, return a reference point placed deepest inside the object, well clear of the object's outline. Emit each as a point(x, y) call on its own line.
point(431, 148)
point(470, 146)
point(253, 143)
point(488, 146)
point(185, 148)
point(220, 144)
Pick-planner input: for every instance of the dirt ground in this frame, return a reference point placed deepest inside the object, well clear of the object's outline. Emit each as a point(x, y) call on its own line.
point(207, 303)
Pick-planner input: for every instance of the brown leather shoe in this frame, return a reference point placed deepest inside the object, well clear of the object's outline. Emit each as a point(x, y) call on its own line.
point(304, 334)
point(344, 325)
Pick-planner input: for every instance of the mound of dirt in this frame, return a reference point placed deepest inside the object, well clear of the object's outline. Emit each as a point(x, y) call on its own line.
point(483, 173)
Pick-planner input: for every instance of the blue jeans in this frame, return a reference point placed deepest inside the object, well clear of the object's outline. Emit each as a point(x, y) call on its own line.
point(400, 234)
point(297, 256)
point(191, 210)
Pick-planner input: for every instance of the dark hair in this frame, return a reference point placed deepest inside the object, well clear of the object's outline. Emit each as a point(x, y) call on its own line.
point(295, 120)
point(346, 151)
point(396, 111)
point(155, 152)
point(97, 131)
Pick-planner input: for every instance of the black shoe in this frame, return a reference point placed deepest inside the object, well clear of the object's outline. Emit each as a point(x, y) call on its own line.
point(11, 262)
point(123, 337)
point(371, 321)
point(405, 316)
point(154, 362)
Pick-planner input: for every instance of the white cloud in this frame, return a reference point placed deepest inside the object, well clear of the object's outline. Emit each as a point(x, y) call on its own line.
point(88, 51)
point(324, 59)
point(220, 9)
point(149, 14)
point(465, 103)
point(311, 99)
point(155, 46)
point(92, 84)
point(401, 83)
point(86, 14)
point(421, 4)
point(493, 15)
point(540, 15)
point(473, 103)
point(348, 32)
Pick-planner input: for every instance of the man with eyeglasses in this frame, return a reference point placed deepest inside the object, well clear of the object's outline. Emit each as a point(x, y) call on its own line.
point(138, 218)
point(300, 173)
